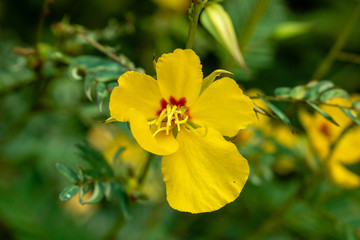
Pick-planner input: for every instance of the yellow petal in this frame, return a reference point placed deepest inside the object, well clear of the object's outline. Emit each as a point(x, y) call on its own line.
point(138, 91)
point(343, 177)
point(224, 107)
point(347, 150)
point(179, 75)
point(161, 144)
point(204, 174)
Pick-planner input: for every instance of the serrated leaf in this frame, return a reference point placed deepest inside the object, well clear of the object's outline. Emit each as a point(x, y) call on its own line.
point(69, 192)
point(97, 194)
point(356, 105)
point(333, 93)
point(282, 92)
point(351, 115)
point(324, 114)
point(278, 112)
point(298, 92)
point(67, 172)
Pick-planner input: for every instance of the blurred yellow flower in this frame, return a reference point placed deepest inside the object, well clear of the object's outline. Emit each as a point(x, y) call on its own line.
point(170, 117)
point(176, 5)
point(110, 140)
point(323, 134)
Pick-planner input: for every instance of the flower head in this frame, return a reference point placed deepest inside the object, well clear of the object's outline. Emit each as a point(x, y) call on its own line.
point(324, 135)
point(175, 117)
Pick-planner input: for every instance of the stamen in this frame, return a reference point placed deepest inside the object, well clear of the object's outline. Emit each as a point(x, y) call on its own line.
point(159, 130)
point(152, 122)
point(170, 116)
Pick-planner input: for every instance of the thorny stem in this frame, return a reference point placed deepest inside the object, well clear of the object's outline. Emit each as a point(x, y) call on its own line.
point(194, 18)
point(338, 45)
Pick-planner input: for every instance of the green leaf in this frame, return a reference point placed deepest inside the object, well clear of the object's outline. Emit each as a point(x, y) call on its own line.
point(351, 115)
point(324, 114)
point(69, 192)
point(108, 75)
point(282, 92)
point(99, 166)
point(88, 83)
point(83, 190)
point(356, 105)
point(111, 85)
point(123, 200)
point(97, 194)
point(315, 90)
point(278, 113)
point(67, 172)
point(209, 79)
point(101, 94)
point(333, 93)
point(108, 190)
point(298, 92)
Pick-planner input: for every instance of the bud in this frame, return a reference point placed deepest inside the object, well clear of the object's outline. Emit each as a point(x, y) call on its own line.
point(217, 21)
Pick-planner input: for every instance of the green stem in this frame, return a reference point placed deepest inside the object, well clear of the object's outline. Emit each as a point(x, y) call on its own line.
point(338, 45)
point(198, 5)
point(146, 168)
point(253, 21)
point(304, 101)
point(45, 11)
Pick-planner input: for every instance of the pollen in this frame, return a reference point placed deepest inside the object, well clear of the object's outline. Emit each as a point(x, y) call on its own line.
point(171, 115)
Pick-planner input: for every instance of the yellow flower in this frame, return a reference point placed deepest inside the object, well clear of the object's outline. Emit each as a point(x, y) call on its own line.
point(176, 5)
point(173, 116)
point(346, 152)
point(323, 134)
point(110, 140)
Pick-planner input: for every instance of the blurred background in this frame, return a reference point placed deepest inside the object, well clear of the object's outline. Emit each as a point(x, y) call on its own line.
point(46, 112)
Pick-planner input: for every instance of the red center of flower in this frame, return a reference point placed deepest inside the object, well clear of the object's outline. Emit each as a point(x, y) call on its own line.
point(172, 101)
point(325, 130)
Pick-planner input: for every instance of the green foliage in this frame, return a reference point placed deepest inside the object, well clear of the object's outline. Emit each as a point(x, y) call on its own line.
point(52, 88)
point(277, 112)
point(69, 192)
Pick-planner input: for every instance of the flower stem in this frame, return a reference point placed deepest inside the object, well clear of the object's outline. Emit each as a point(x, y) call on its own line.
point(253, 21)
point(304, 101)
point(196, 9)
point(146, 168)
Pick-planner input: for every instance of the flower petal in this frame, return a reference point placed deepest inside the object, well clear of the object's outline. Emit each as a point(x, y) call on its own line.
point(179, 75)
point(161, 144)
point(135, 90)
point(224, 107)
point(342, 176)
point(205, 173)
